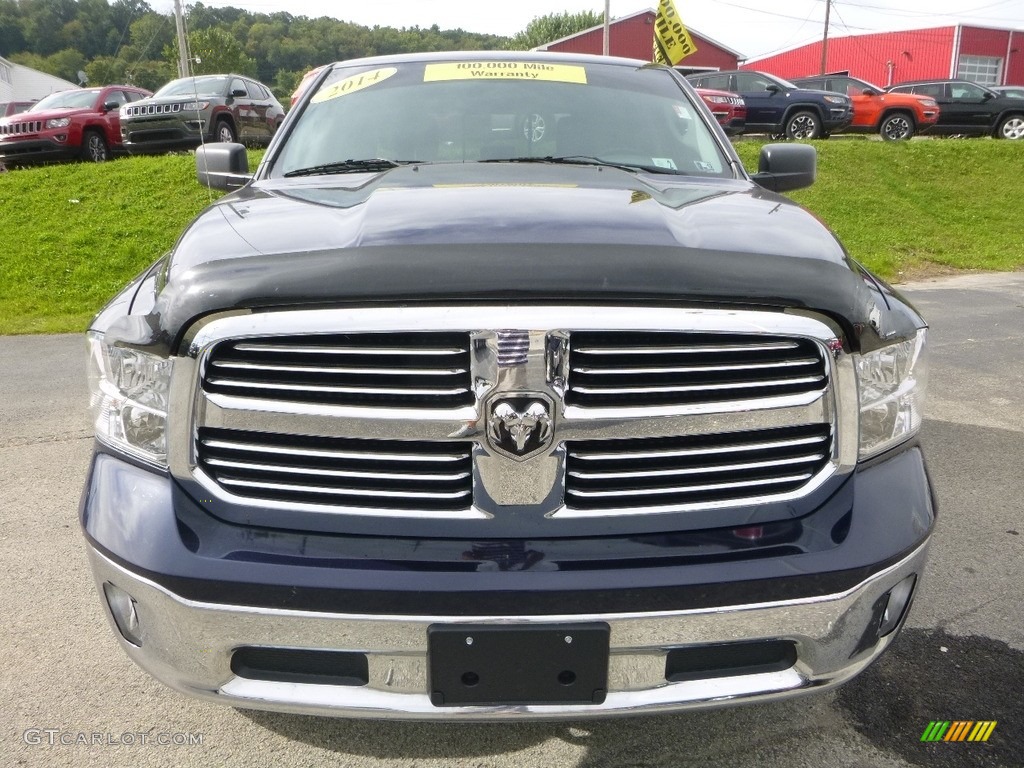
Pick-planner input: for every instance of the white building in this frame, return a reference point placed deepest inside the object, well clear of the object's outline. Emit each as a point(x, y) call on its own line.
point(18, 83)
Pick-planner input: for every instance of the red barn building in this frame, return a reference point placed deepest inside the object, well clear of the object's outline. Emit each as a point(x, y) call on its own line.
point(985, 55)
point(633, 37)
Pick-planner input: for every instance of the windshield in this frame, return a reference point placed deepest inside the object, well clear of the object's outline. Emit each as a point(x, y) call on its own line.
point(194, 86)
point(502, 110)
point(67, 100)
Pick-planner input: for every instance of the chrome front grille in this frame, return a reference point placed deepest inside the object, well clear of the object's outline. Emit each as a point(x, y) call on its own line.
point(17, 129)
point(151, 109)
point(397, 370)
point(338, 472)
point(680, 472)
point(723, 411)
point(609, 369)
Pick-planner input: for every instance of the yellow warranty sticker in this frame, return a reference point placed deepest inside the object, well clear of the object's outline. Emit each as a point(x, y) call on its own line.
point(505, 70)
point(353, 84)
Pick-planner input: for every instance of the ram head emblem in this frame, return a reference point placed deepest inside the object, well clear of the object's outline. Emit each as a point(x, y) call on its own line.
point(520, 433)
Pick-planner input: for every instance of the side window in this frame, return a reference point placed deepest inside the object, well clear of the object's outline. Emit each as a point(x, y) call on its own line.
point(935, 90)
point(117, 97)
point(847, 86)
point(819, 84)
point(699, 82)
point(135, 96)
point(965, 92)
point(748, 83)
point(256, 90)
point(718, 82)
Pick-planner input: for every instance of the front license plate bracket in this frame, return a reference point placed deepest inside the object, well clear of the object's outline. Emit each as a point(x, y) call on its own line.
point(488, 664)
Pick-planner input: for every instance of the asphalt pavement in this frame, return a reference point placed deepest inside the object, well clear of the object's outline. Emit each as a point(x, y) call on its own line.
point(70, 696)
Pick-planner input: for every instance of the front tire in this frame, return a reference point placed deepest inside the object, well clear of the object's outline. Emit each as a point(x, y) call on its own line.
point(803, 125)
point(1011, 127)
point(94, 147)
point(224, 132)
point(896, 127)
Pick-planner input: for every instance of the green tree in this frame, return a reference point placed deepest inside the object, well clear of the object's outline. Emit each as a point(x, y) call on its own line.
point(553, 26)
point(214, 51)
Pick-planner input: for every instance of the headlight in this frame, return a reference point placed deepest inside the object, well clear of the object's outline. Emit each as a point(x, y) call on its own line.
point(129, 392)
point(836, 100)
point(891, 382)
point(194, 106)
point(929, 102)
point(717, 99)
point(58, 122)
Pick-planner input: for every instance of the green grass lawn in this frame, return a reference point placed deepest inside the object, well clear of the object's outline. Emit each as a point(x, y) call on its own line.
point(72, 235)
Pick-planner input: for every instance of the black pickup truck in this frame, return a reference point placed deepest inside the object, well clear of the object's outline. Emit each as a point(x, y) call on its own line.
point(501, 390)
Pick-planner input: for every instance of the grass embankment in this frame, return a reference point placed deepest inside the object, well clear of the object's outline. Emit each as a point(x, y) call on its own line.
point(72, 235)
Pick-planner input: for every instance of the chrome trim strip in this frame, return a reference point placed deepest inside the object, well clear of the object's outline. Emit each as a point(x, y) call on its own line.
point(694, 387)
point(344, 455)
point(239, 365)
point(679, 453)
point(598, 475)
point(291, 470)
point(341, 350)
point(698, 368)
point(696, 349)
point(330, 389)
point(683, 489)
point(326, 508)
point(374, 492)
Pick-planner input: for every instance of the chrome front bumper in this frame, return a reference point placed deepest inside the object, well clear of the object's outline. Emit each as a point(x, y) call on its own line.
point(188, 645)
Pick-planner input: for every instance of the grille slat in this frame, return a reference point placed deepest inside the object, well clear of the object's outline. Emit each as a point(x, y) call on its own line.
point(397, 370)
point(609, 369)
point(340, 472)
point(667, 472)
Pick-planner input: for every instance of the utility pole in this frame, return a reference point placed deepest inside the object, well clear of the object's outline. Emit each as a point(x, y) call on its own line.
point(182, 48)
point(824, 40)
point(607, 26)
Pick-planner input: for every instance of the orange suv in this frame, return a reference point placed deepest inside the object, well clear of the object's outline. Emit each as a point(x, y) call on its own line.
point(895, 116)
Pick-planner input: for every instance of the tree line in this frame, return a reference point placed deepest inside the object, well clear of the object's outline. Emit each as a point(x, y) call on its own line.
point(126, 41)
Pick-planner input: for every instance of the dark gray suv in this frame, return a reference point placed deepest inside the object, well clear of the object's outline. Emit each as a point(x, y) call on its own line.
point(193, 110)
point(969, 109)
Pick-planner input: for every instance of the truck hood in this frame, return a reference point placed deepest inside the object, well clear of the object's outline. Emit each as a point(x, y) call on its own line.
point(506, 232)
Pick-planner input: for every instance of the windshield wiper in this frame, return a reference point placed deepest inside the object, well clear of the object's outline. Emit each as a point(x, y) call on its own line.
point(587, 160)
point(350, 166)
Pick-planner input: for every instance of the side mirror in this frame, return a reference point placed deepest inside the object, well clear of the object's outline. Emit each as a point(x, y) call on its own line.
point(111, 106)
point(870, 92)
point(784, 167)
point(772, 88)
point(987, 95)
point(222, 166)
point(239, 92)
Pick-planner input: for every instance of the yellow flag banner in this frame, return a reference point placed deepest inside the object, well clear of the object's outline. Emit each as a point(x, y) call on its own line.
point(672, 43)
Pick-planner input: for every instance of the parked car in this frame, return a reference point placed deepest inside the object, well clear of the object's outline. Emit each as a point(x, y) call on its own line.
point(1013, 91)
point(729, 109)
point(894, 116)
point(78, 123)
point(193, 110)
point(970, 109)
point(776, 106)
point(8, 108)
point(501, 390)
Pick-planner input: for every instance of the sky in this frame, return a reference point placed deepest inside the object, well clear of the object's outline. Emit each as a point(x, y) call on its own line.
point(752, 27)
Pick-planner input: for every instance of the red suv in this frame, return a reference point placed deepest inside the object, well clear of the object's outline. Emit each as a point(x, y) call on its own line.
point(79, 123)
point(728, 108)
point(894, 116)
